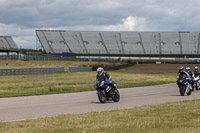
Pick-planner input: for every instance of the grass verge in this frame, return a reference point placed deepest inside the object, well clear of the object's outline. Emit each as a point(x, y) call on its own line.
point(65, 64)
point(26, 85)
point(131, 67)
point(180, 117)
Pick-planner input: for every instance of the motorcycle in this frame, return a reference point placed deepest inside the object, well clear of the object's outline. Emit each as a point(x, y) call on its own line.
point(103, 95)
point(197, 83)
point(184, 85)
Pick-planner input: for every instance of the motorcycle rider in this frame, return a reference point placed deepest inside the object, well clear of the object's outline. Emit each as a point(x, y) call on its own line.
point(196, 71)
point(104, 76)
point(181, 71)
point(191, 77)
point(196, 77)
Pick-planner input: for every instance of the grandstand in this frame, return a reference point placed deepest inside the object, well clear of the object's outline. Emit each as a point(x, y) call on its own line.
point(7, 44)
point(120, 43)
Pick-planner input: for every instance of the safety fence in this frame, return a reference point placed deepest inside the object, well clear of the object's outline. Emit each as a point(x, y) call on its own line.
point(9, 57)
point(121, 66)
point(30, 71)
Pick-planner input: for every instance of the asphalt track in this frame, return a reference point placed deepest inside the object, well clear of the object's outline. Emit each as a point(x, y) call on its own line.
point(30, 107)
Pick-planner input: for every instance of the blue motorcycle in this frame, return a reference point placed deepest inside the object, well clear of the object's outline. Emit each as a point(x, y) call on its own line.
point(184, 85)
point(103, 95)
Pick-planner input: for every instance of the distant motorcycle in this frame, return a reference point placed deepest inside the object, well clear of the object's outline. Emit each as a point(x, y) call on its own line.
point(103, 96)
point(196, 82)
point(184, 86)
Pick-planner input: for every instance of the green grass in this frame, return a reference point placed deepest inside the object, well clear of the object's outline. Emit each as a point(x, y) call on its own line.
point(180, 117)
point(166, 118)
point(65, 64)
point(26, 85)
point(128, 68)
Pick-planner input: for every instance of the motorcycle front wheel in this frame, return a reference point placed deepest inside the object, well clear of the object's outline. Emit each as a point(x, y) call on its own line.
point(189, 93)
point(116, 96)
point(182, 89)
point(102, 96)
point(197, 88)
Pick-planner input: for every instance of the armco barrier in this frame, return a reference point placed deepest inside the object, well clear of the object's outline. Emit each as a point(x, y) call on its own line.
point(78, 69)
point(30, 71)
point(116, 67)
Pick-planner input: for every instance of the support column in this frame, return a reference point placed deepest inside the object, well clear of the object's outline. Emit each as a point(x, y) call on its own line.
point(103, 43)
point(180, 41)
point(142, 43)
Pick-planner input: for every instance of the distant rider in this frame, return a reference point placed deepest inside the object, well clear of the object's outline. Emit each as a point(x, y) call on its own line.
point(104, 76)
point(196, 72)
point(196, 77)
point(191, 76)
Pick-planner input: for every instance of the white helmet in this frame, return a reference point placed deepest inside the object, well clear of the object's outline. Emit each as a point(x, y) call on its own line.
point(187, 69)
point(196, 68)
point(100, 71)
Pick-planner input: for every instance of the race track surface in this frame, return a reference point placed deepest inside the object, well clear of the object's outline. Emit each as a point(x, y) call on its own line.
point(22, 108)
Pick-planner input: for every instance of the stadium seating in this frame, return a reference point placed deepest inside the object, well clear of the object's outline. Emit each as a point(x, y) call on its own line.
point(119, 43)
point(7, 44)
point(112, 42)
point(131, 43)
point(190, 42)
point(150, 42)
point(170, 43)
point(94, 43)
point(75, 42)
point(43, 40)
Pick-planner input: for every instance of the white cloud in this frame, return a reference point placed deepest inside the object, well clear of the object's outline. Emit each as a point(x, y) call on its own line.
point(20, 18)
point(15, 30)
point(109, 5)
point(23, 37)
point(129, 24)
point(25, 42)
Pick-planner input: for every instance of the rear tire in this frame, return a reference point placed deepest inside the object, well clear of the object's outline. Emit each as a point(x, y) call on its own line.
point(102, 97)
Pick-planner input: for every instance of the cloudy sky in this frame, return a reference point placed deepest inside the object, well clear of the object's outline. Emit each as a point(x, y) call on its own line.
point(20, 18)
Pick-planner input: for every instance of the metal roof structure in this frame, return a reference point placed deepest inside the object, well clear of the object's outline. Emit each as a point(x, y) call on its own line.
point(121, 43)
point(7, 44)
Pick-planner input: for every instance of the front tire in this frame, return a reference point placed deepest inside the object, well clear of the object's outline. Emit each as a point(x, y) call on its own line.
point(189, 93)
point(116, 96)
point(182, 90)
point(197, 88)
point(102, 97)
